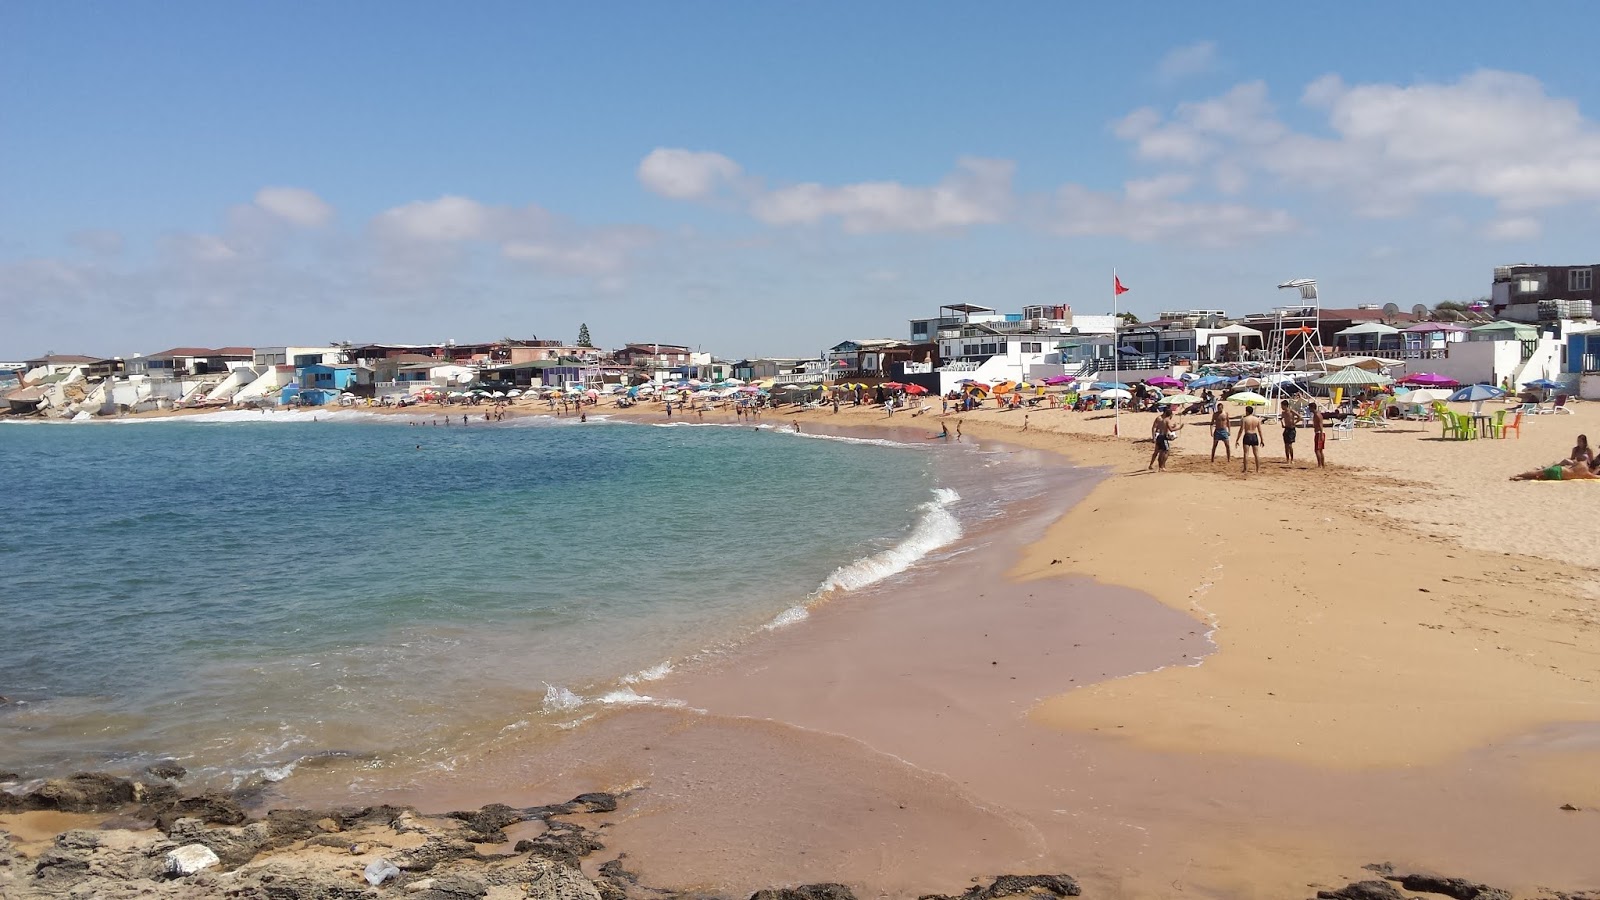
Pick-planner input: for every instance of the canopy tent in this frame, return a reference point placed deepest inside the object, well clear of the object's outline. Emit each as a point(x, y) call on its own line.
point(1366, 328)
point(1512, 331)
point(1237, 331)
point(1432, 327)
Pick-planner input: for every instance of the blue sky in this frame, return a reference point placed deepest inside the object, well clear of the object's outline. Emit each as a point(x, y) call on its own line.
point(760, 178)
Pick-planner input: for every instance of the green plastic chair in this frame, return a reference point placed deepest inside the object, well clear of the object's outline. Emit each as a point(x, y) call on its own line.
point(1497, 428)
point(1452, 428)
point(1465, 431)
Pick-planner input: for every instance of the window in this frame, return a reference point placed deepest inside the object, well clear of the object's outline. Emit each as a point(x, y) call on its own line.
point(1032, 347)
point(1580, 279)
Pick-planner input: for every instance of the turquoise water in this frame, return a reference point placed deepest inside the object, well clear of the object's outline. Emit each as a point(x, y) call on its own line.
point(242, 592)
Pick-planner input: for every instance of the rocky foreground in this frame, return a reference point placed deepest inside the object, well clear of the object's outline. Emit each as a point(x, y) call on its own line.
point(156, 842)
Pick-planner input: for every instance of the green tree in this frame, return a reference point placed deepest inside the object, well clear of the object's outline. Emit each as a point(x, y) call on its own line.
point(583, 335)
point(1128, 318)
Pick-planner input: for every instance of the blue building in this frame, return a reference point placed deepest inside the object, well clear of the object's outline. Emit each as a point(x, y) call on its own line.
point(318, 383)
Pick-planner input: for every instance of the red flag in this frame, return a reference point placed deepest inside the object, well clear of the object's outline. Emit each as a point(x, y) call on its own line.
point(1120, 289)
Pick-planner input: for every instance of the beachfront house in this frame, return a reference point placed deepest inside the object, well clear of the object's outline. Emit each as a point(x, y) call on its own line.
point(337, 378)
point(1542, 294)
point(183, 362)
point(653, 356)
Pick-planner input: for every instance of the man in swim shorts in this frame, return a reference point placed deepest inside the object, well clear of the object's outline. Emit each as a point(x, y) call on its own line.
point(1290, 421)
point(1219, 432)
point(1162, 433)
point(1250, 435)
point(1319, 436)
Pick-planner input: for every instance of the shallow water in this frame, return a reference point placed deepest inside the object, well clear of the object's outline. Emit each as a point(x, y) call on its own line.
point(245, 592)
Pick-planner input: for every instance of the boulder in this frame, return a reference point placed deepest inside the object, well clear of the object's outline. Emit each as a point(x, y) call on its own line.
point(487, 824)
point(1459, 888)
point(806, 892)
point(594, 802)
point(1021, 885)
point(233, 846)
point(564, 842)
point(83, 792)
point(189, 859)
point(167, 771)
point(453, 887)
point(552, 880)
point(433, 851)
point(380, 870)
point(213, 809)
point(1363, 890)
point(307, 887)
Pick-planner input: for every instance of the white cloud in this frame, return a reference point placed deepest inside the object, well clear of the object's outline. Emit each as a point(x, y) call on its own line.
point(1187, 61)
point(1517, 229)
point(1148, 211)
point(977, 193)
point(686, 174)
point(1491, 134)
point(296, 206)
point(445, 220)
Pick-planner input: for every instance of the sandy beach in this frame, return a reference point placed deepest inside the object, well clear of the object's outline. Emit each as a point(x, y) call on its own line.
point(1190, 683)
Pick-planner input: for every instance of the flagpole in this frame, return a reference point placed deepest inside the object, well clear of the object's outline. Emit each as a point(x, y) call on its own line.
point(1116, 355)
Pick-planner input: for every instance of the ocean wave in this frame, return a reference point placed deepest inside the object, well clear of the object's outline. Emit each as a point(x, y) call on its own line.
point(654, 673)
point(788, 617)
point(934, 528)
point(559, 699)
point(876, 442)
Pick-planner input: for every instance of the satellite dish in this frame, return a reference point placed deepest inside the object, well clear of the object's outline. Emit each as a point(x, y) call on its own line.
point(1390, 310)
point(1420, 311)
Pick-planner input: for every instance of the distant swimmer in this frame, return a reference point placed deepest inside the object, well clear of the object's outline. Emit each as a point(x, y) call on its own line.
point(944, 430)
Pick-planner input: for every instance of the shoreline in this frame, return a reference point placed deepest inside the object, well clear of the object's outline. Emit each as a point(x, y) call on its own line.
point(1364, 770)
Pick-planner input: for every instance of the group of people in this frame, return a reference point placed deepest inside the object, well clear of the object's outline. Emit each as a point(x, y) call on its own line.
point(1578, 466)
point(1251, 436)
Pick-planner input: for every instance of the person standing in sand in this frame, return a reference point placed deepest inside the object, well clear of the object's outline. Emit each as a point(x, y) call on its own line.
point(1162, 433)
point(1219, 432)
point(958, 429)
point(1290, 420)
point(1319, 435)
point(1250, 435)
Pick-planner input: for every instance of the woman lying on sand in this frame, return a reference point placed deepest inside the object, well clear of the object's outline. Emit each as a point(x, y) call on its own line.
point(1575, 471)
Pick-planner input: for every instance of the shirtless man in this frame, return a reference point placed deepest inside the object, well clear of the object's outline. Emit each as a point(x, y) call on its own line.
point(1290, 420)
point(1162, 433)
point(1319, 437)
point(1219, 433)
point(1250, 436)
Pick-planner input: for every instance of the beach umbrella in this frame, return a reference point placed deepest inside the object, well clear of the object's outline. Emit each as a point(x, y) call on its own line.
point(1353, 376)
point(1059, 379)
point(1209, 381)
point(1248, 398)
point(893, 385)
point(1545, 384)
point(1115, 394)
point(513, 393)
point(500, 395)
point(1005, 387)
point(1477, 393)
point(1421, 397)
point(1163, 381)
point(1177, 399)
point(1109, 386)
point(1428, 379)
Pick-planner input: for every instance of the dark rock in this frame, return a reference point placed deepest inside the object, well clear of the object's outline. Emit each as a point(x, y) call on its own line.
point(1020, 885)
point(1565, 807)
point(551, 880)
point(10, 776)
point(234, 846)
point(213, 809)
point(452, 887)
point(307, 887)
point(617, 872)
point(595, 802)
point(435, 850)
point(83, 792)
point(806, 892)
point(615, 880)
point(564, 842)
point(1363, 890)
point(290, 825)
point(1459, 888)
point(169, 771)
point(487, 824)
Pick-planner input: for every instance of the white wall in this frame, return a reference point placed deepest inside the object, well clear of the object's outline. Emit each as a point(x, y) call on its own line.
point(1589, 387)
point(1474, 362)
